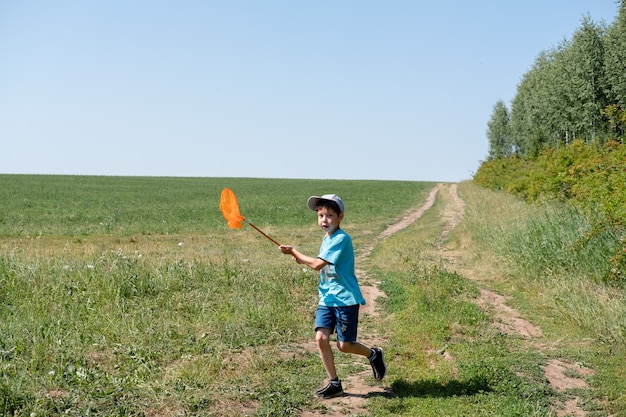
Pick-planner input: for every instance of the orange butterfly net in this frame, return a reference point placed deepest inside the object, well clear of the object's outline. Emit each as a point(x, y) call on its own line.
point(230, 211)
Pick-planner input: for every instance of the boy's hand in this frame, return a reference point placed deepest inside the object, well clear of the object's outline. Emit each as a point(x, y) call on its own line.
point(314, 263)
point(286, 249)
point(289, 250)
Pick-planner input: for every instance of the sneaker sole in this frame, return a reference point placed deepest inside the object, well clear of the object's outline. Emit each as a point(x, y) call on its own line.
point(328, 397)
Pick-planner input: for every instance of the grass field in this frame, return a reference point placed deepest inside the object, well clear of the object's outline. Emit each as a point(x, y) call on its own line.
point(130, 297)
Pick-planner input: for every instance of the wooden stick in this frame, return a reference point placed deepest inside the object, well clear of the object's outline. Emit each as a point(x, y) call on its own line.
point(263, 233)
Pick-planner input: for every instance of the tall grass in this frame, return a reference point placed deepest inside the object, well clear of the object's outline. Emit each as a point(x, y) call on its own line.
point(560, 249)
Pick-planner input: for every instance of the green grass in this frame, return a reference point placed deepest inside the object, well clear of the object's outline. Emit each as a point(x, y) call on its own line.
point(130, 296)
point(79, 206)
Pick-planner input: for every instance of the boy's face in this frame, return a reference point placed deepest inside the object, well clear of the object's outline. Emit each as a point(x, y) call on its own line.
point(328, 220)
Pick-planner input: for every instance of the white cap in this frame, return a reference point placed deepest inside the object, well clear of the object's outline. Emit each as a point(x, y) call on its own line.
point(313, 201)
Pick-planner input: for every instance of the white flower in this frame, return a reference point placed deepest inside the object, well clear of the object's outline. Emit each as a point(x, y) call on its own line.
point(81, 373)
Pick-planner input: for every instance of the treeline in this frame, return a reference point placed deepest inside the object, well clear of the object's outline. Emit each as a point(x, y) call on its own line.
point(564, 135)
point(576, 90)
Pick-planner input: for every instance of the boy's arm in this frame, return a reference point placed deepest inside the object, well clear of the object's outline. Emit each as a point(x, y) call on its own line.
point(314, 263)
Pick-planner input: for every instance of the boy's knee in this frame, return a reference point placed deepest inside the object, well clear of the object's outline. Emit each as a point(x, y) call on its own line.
point(344, 347)
point(322, 338)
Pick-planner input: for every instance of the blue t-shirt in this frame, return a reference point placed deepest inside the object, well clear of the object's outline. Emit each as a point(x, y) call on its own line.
point(338, 284)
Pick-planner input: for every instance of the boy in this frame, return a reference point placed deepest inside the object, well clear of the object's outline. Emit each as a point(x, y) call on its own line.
point(339, 293)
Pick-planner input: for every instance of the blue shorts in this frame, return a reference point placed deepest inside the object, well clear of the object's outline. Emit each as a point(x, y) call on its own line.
point(344, 320)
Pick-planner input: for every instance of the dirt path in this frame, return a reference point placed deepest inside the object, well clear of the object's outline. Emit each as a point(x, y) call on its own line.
point(561, 374)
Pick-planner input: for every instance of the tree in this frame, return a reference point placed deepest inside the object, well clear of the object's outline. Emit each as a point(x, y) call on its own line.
point(498, 132)
point(582, 75)
point(531, 108)
point(615, 59)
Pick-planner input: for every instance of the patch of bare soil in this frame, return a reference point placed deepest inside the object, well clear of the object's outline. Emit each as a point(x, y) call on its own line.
point(563, 376)
point(508, 319)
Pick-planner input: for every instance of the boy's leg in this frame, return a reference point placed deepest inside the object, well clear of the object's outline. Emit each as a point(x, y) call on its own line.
point(347, 324)
point(374, 355)
point(322, 337)
point(334, 388)
point(324, 325)
point(354, 347)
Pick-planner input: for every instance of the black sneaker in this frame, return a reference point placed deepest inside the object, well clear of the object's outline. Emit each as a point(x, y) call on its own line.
point(330, 391)
point(377, 361)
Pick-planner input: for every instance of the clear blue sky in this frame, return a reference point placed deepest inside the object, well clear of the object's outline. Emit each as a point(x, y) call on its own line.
point(398, 90)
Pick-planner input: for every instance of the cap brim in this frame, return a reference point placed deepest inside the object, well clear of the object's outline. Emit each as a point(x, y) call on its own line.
point(313, 201)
